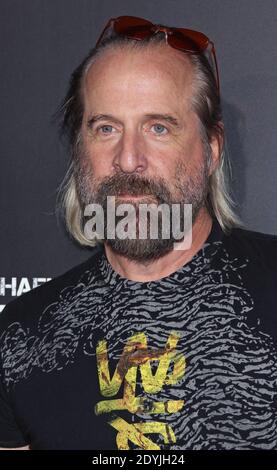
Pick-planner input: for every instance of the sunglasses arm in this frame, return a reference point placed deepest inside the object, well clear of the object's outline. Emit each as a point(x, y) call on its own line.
point(216, 68)
point(109, 24)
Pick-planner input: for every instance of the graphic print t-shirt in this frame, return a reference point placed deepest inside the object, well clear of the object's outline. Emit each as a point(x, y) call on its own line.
point(92, 360)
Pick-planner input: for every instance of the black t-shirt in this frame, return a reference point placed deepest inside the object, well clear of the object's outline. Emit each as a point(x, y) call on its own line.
point(92, 360)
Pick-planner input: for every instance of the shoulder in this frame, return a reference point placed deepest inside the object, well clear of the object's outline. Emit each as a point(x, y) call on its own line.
point(253, 238)
point(35, 301)
point(254, 245)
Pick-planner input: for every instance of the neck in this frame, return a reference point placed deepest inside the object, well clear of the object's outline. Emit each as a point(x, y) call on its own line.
point(168, 263)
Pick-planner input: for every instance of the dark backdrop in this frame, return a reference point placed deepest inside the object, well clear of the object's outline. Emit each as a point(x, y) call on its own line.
point(42, 41)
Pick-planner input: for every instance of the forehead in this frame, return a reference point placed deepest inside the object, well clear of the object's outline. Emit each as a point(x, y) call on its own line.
point(125, 76)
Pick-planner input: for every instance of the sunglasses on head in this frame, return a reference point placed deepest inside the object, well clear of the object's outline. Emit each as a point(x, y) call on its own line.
point(182, 39)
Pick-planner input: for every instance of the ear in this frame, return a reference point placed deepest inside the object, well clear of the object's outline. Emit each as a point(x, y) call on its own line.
point(216, 144)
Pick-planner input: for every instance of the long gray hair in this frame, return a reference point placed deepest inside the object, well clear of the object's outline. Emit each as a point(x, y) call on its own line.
point(207, 106)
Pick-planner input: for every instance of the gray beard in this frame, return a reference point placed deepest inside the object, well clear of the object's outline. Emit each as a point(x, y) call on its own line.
point(190, 190)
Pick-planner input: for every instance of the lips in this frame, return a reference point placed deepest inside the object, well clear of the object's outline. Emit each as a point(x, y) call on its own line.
point(131, 195)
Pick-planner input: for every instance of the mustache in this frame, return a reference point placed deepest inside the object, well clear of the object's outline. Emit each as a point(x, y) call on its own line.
point(134, 185)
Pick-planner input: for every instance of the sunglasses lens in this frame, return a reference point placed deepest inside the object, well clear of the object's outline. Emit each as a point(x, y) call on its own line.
point(181, 42)
point(191, 40)
point(132, 26)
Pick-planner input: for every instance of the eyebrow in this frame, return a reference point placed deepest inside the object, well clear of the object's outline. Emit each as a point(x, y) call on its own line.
point(165, 117)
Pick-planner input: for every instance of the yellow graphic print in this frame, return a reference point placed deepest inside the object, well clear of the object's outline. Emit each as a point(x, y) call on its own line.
point(136, 354)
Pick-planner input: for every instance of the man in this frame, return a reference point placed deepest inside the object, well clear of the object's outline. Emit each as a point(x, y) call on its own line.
point(144, 346)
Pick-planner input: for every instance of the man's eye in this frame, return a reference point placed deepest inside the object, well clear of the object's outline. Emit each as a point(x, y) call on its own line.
point(159, 128)
point(106, 129)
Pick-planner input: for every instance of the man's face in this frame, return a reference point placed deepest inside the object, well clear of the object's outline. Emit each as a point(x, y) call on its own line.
point(147, 148)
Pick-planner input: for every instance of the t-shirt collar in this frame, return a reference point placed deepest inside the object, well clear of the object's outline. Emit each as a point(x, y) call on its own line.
point(201, 260)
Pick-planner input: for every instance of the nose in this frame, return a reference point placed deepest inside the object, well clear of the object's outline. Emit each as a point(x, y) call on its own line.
point(130, 156)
